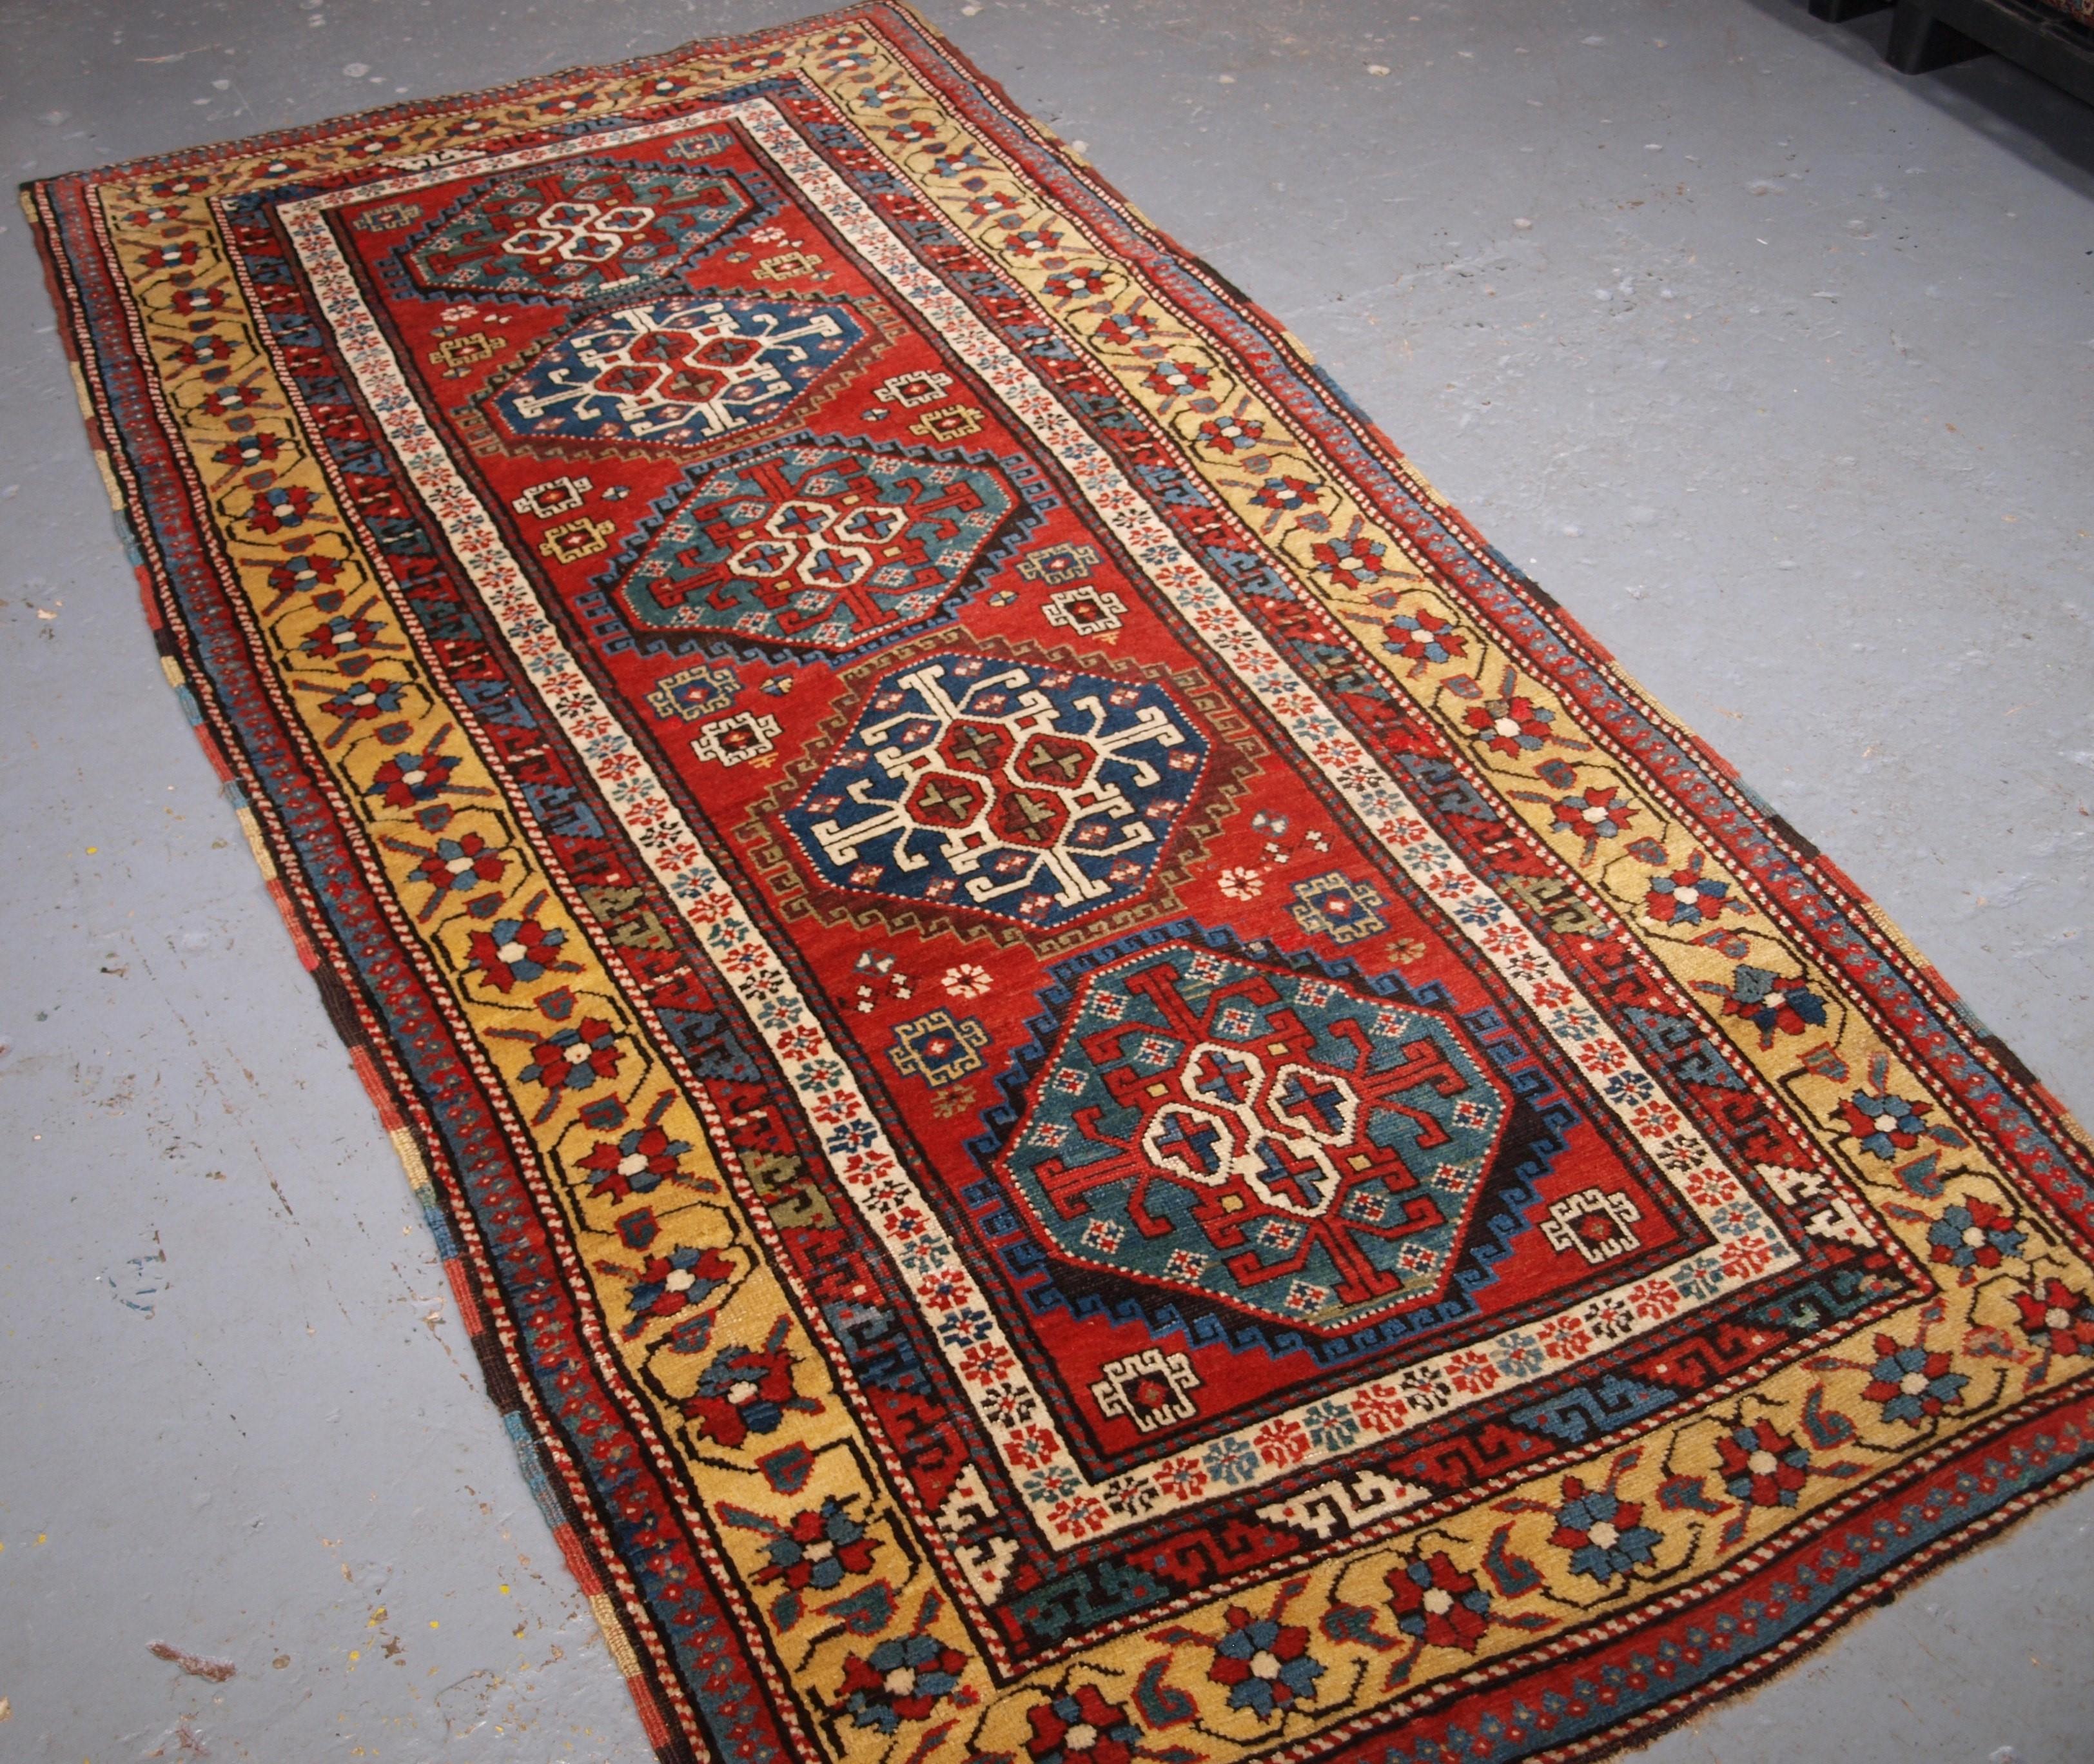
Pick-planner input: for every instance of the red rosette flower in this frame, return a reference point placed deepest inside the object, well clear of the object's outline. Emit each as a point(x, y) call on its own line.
point(2062, 1319)
point(1438, 1604)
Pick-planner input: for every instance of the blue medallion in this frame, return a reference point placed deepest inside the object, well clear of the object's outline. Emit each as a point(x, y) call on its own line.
point(681, 372)
point(1027, 793)
point(1290, 1144)
point(575, 230)
point(826, 546)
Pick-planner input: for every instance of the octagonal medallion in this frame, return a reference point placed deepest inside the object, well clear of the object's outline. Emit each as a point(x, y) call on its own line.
point(1286, 1143)
point(1023, 791)
point(820, 547)
point(681, 372)
point(574, 231)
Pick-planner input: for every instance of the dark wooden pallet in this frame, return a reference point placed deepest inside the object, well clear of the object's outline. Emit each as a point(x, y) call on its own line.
point(1926, 34)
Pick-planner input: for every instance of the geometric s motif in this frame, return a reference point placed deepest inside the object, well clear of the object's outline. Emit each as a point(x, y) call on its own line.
point(1149, 1388)
point(1599, 1224)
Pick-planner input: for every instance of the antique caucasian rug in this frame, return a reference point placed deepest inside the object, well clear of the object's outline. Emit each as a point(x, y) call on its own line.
point(1095, 1091)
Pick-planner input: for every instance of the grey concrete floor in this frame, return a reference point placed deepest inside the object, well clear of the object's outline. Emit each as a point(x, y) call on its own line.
point(1774, 368)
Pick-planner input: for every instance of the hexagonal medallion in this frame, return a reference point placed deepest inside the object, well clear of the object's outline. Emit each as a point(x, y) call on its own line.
point(574, 231)
point(681, 372)
point(1279, 1139)
point(822, 548)
point(1020, 791)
